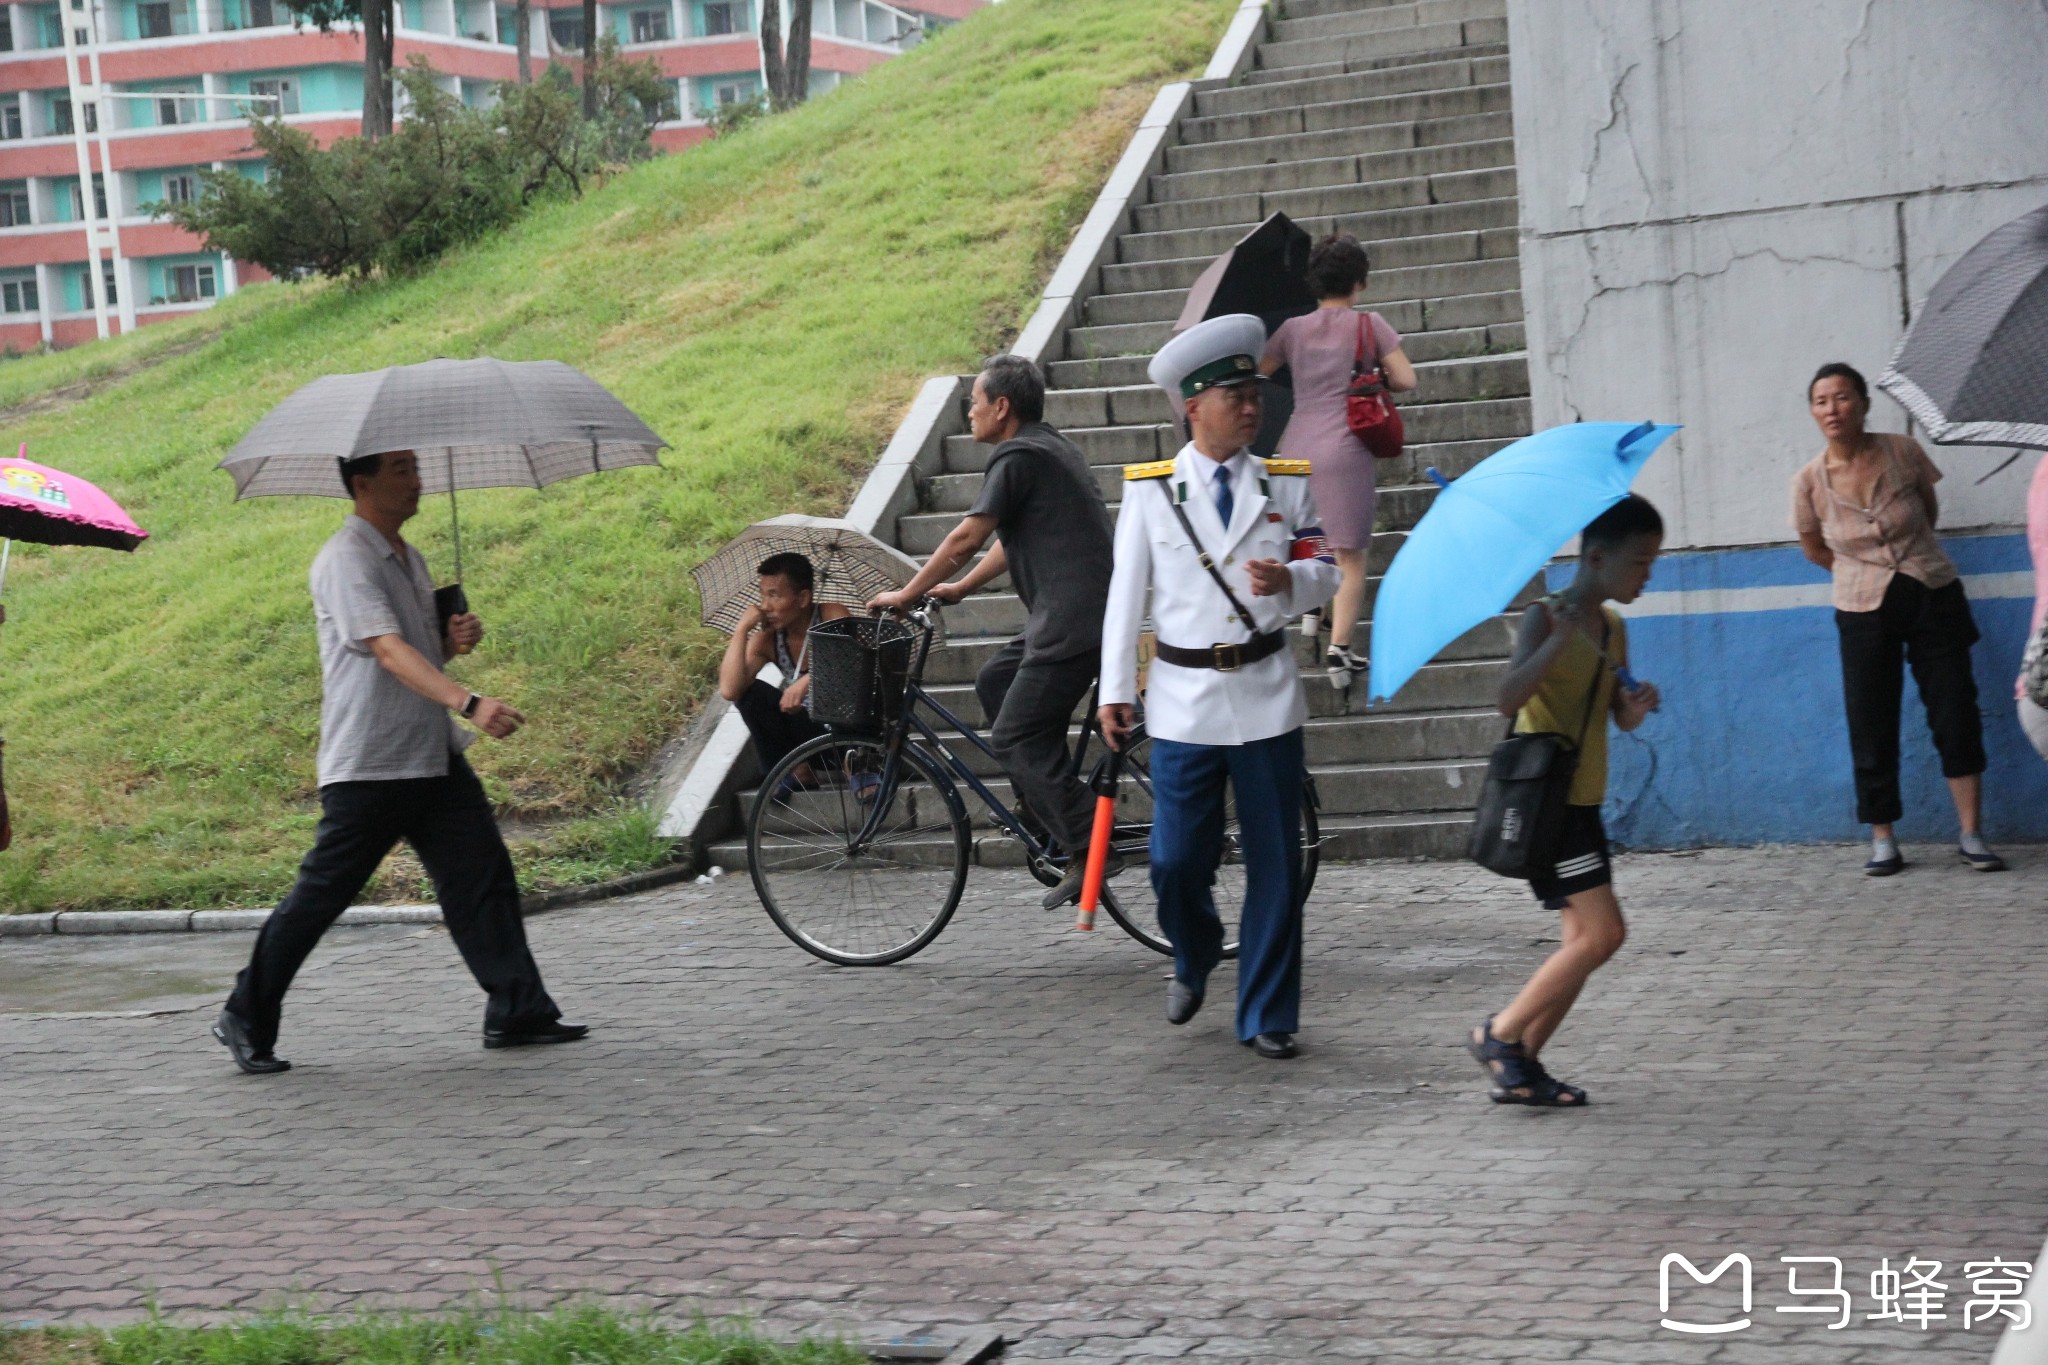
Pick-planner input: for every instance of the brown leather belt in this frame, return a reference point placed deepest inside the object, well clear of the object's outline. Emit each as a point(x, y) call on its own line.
point(1223, 658)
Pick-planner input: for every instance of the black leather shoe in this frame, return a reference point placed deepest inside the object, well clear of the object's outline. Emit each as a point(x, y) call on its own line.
point(232, 1032)
point(1278, 1046)
point(1068, 892)
point(528, 1035)
point(1183, 1002)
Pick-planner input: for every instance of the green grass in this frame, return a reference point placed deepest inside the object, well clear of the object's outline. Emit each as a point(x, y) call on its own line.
point(585, 1335)
point(769, 302)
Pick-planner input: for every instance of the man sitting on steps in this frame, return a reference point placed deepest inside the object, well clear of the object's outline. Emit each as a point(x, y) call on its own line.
point(1054, 539)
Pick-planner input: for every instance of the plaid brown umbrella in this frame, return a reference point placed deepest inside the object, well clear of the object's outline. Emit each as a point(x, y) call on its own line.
point(852, 566)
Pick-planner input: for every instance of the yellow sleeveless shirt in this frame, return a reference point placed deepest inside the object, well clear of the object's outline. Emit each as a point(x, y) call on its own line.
point(1559, 705)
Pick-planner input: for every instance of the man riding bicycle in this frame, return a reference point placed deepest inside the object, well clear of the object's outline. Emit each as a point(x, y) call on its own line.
point(1054, 539)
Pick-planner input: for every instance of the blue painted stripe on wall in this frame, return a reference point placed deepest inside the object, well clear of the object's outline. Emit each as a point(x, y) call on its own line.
point(1989, 558)
point(1751, 745)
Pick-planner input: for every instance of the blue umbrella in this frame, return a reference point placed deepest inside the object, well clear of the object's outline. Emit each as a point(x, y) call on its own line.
point(1488, 534)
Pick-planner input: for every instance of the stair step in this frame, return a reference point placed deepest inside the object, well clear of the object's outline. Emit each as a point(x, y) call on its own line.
point(1348, 51)
point(1339, 141)
point(1284, 90)
point(1345, 838)
point(1406, 284)
point(1421, 347)
point(1352, 169)
point(1414, 106)
point(1378, 19)
point(1445, 248)
point(1327, 201)
point(1426, 424)
point(1419, 220)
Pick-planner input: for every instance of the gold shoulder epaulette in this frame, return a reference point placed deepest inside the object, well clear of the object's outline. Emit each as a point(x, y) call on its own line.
point(1287, 466)
point(1159, 469)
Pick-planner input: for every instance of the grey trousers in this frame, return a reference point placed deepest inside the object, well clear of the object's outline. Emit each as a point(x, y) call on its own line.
point(1032, 704)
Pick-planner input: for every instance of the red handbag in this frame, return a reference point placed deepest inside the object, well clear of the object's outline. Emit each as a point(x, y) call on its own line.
point(1368, 411)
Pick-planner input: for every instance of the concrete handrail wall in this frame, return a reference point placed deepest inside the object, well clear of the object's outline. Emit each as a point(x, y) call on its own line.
point(710, 765)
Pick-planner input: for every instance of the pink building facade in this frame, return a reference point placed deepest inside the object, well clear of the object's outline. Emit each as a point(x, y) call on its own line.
point(110, 106)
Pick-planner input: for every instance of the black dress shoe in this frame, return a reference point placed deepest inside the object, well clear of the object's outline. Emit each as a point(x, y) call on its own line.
point(1278, 1046)
point(527, 1035)
point(1183, 1002)
point(232, 1031)
point(1068, 892)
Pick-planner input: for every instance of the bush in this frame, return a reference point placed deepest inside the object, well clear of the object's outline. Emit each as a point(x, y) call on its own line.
point(447, 175)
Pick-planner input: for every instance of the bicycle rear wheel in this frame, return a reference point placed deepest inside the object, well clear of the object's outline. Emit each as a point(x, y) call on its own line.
point(1129, 898)
point(866, 863)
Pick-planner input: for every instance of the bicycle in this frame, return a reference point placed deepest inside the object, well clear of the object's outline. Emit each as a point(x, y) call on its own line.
point(864, 863)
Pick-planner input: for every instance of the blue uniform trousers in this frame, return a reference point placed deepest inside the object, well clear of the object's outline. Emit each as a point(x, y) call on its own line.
point(1187, 845)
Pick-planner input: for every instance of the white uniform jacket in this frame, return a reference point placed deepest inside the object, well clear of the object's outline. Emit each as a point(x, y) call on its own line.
point(1274, 517)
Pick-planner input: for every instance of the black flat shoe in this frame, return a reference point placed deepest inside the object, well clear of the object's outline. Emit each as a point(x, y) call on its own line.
point(1183, 1002)
point(1068, 892)
point(232, 1032)
point(1277, 1046)
point(530, 1035)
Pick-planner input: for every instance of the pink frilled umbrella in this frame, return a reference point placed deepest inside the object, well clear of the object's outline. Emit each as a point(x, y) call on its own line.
point(49, 507)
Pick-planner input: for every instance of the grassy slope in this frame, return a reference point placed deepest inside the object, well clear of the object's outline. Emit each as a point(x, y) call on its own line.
point(769, 302)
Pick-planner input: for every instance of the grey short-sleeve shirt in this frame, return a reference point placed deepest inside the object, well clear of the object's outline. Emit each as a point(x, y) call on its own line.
point(1057, 536)
point(373, 728)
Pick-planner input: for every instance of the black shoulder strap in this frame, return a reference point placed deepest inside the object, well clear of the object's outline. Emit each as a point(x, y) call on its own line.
point(1599, 664)
point(1242, 615)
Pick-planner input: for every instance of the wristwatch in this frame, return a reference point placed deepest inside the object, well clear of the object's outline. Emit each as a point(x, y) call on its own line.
point(469, 707)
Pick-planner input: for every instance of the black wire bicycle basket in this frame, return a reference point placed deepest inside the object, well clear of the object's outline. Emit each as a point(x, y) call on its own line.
point(859, 671)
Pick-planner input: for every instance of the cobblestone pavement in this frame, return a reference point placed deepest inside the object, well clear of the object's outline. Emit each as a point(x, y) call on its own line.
point(1786, 1059)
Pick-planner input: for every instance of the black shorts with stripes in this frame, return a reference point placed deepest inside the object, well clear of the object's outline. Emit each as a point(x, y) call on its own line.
point(1581, 860)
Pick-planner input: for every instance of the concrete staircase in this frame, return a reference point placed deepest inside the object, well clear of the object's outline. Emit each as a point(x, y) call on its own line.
point(1390, 121)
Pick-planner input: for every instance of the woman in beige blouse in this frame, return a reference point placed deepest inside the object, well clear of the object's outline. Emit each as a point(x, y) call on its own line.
point(1865, 510)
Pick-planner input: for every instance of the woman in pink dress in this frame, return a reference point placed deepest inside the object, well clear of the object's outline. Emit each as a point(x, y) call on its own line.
point(1320, 349)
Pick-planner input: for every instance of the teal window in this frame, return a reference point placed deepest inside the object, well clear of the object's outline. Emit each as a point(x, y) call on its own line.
point(650, 25)
point(14, 204)
point(566, 27)
point(190, 283)
point(716, 17)
point(18, 294)
point(280, 96)
point(10, 118)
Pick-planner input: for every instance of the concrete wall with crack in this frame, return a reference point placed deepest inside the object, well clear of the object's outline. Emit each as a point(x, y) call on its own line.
point(1718, 196)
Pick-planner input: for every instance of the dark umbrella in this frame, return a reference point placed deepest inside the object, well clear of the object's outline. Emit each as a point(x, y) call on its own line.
point(471, 423)
point(1973, 370)
point(1265, 274)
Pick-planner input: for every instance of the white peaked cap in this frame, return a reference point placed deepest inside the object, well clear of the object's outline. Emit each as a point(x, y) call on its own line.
point(1204, 344)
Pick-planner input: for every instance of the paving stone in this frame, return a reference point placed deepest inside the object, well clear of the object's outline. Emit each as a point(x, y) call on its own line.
point(1001, 1131)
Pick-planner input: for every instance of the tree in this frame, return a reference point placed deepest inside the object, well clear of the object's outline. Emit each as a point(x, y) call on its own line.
point(378, 24)
point(590, 71)
point(522, 19)
point(788, 70)
point(449, 174)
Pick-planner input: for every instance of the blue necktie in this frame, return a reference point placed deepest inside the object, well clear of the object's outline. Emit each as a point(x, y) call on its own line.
point(1225, 503)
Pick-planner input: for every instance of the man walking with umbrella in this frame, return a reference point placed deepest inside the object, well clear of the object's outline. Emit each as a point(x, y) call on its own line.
point(391, 768)
point(1228, 547)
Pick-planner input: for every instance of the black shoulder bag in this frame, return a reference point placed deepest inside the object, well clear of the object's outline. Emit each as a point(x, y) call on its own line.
point(1522, 807)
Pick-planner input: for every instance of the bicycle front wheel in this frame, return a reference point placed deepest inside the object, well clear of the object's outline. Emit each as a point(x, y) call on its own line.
point(1129, 898)
point(863, 862)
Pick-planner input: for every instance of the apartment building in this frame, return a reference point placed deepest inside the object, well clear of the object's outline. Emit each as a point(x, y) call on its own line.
point(108, 107)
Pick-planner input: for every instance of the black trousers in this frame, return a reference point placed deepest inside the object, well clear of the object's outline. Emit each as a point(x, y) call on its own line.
point(448, 822)
point(1933, 630)
point(1031, 705)
point(775, 730)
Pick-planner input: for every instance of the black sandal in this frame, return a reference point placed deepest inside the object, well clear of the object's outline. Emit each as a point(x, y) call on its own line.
point(1506, 1064)
point(1544, 1090)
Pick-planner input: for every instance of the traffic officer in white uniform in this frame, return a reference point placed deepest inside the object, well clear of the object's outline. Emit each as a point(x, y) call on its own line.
point(1227, 545)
